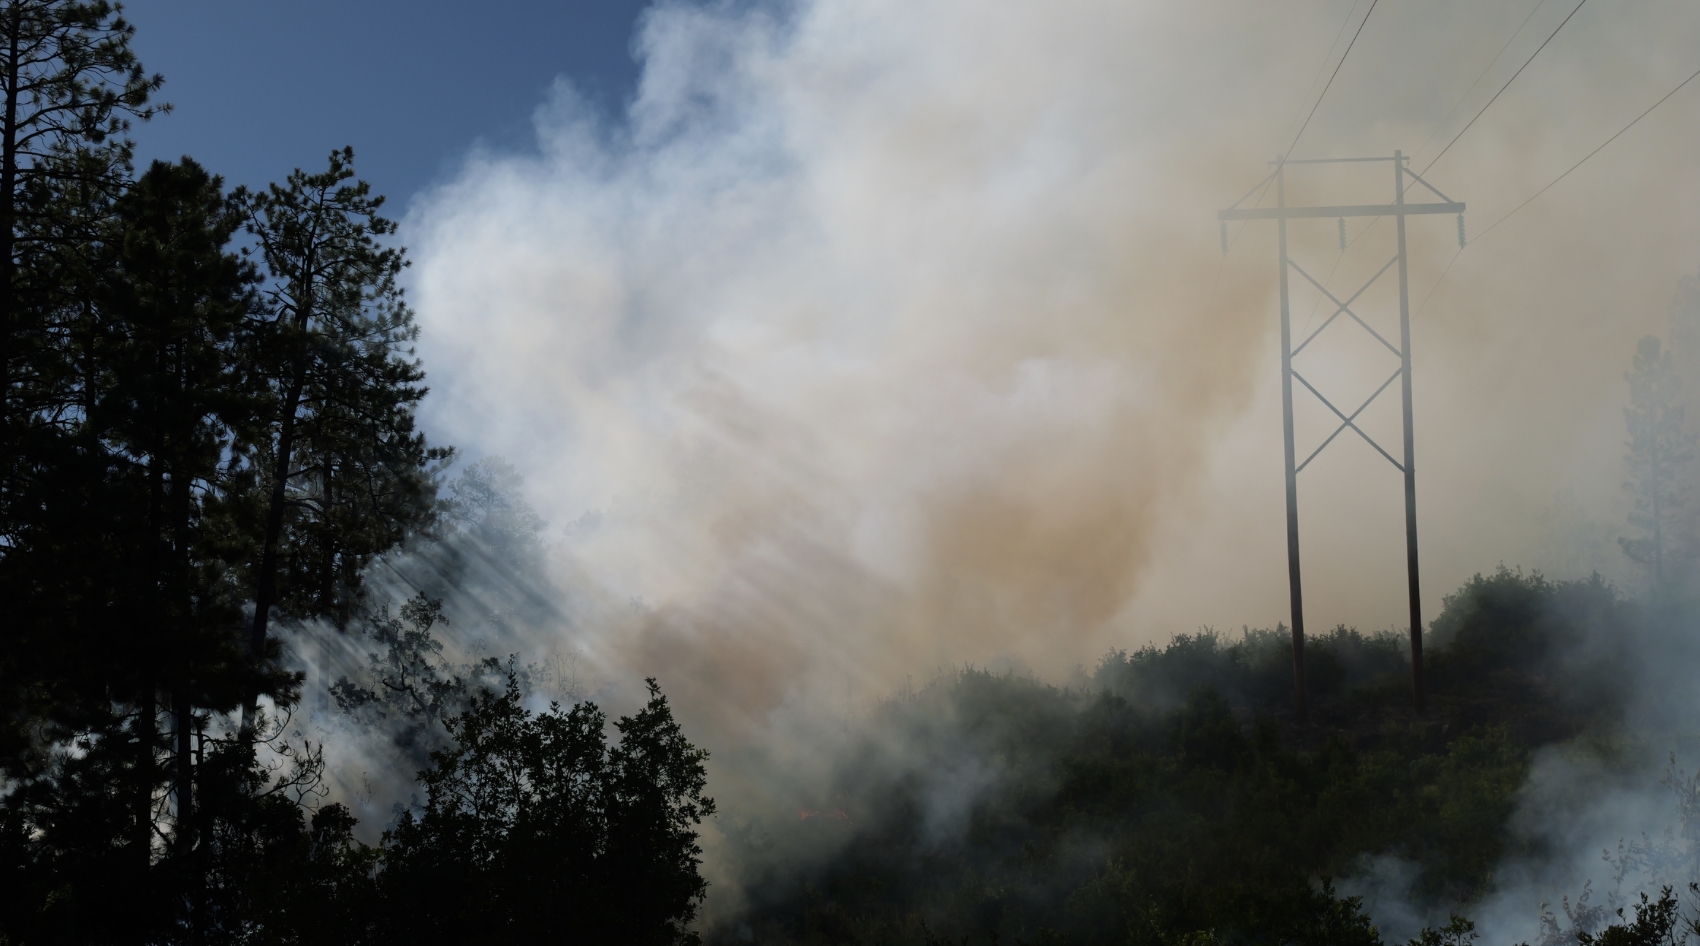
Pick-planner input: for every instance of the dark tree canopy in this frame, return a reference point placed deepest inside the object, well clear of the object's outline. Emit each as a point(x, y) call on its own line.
point(534, 827)
point(345, 475)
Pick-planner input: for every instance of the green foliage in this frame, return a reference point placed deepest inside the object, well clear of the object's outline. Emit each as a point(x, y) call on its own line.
point(167, 400)
point(69, 85)
point(1552, 655)
point(1255, 671)
point(322, 888)
point(411, 685)
point(486, 501)
point(1139, 811)
point(1655, 924)
point(132, 523)
point(145, 379)
point(343, 474)
point(121, 561)
point(407, 687)
point(534, 827)
point(62, 825)
point(1104, 819)
point(70, 513)
point(1458, 931)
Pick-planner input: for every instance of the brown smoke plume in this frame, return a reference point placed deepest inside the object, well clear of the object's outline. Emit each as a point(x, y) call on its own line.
point(885, 334)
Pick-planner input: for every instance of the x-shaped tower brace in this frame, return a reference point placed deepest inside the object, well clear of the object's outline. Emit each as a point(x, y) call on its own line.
point(1399, 209)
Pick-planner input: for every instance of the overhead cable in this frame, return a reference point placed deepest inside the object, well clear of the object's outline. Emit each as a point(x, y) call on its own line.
point(1227, 244)
point(1347, 244)
point(1336, 72)
point(1502, 88)
point(1490, 102)
point(1345, 21)
point(1590, 154)
point(1531, 198)
point(1485, 70)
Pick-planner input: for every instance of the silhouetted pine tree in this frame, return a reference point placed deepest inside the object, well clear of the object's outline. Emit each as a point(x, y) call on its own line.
point(1660, 450)
point(343, 476)
point(69, 84)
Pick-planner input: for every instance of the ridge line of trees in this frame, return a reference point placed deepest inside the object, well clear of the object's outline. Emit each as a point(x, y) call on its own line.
point(207, 430)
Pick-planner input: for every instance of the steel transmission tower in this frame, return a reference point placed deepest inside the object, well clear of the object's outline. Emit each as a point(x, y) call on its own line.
point(1399, 210)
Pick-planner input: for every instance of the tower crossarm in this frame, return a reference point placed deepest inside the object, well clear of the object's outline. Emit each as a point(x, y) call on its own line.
point(1346, 210)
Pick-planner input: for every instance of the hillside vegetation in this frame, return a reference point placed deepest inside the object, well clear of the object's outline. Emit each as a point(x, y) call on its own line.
point(1170, 795)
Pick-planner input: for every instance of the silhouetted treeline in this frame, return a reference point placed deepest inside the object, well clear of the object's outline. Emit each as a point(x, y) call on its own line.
point(1256, 669)
point(1168, 797)
point(207, 435)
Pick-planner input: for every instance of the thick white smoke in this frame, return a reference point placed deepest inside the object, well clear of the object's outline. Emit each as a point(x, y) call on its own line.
point(850, 350)
point(884, 334)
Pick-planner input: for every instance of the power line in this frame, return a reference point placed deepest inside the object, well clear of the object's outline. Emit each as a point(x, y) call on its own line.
point(1336, 72)
point(1485, 70)
point(1442, 124)
point(1424, 304)
point(1502, 88)
point(1484, 108)
point(1590, 154)
point(1313, 108)
point(1649, 111)
point(1345, 21)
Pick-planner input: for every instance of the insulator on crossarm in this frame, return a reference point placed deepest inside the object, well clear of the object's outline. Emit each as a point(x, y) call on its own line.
point(1342, 234)
point(1224, 238)
point(1460, 231)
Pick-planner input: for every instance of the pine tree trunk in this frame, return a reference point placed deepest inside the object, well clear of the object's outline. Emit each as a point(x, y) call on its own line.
point(185, 837)
point(142, 789)
point(184, 720)
point(181, 610)
point(8, 210)
point(265, 592)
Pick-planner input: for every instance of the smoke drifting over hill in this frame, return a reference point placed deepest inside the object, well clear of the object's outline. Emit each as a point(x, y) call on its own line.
point(885, 336)
point(880, 336)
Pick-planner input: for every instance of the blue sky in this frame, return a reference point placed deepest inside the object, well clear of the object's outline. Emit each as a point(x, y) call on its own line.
point(262, 88)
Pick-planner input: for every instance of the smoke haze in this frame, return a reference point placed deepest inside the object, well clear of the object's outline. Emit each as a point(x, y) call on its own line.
point(887, 335)
point(880, 336)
